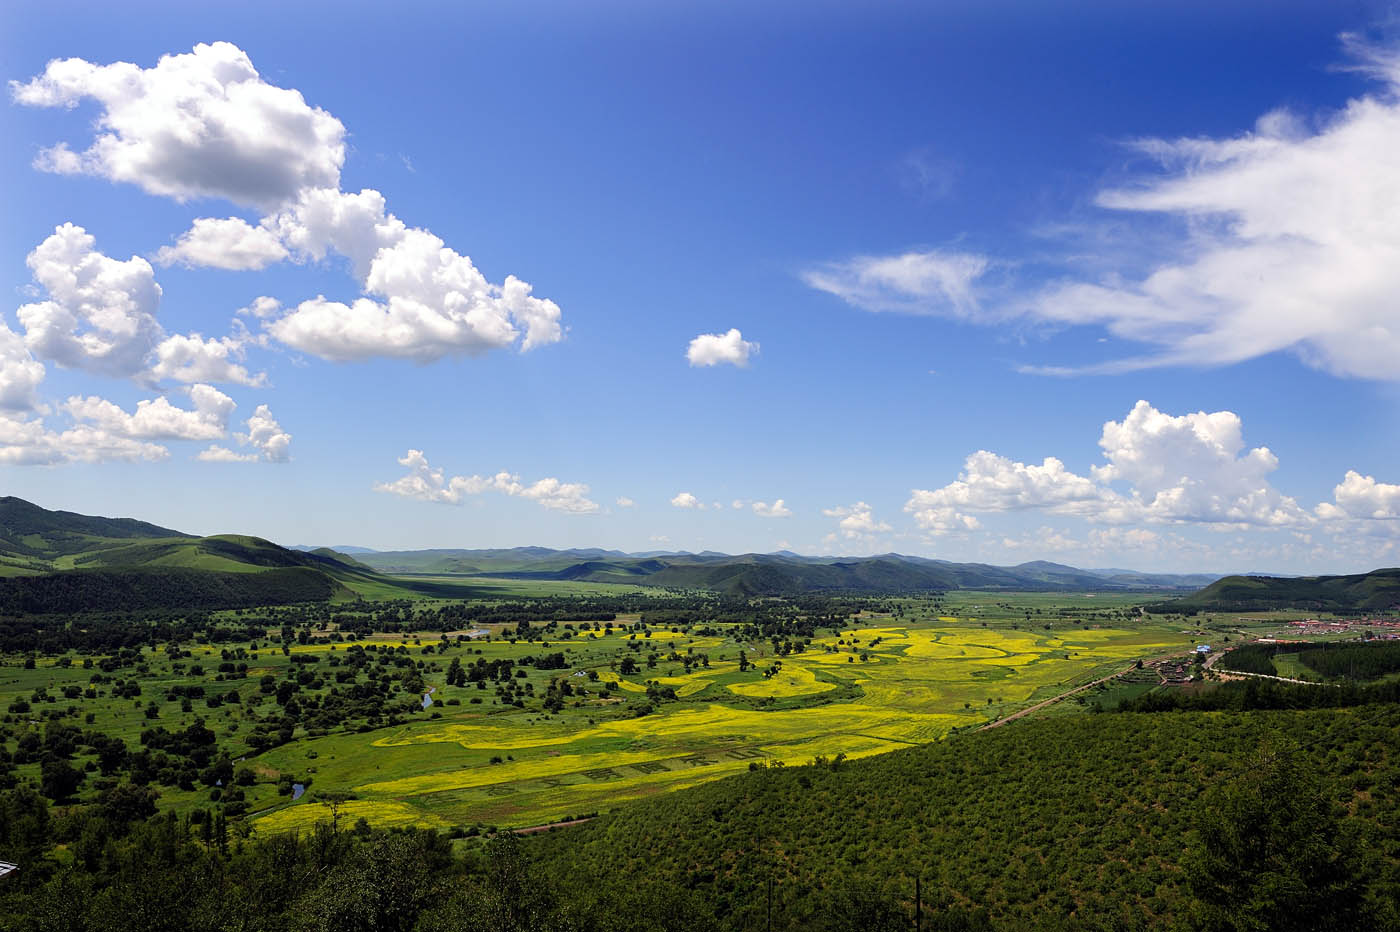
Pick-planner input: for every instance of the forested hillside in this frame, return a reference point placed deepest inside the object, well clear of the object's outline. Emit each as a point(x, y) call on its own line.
point(1259, 820)
point(1376, 591)
point(78, 591)
point(28, 528)
point(1068, 823)
point(61, 562)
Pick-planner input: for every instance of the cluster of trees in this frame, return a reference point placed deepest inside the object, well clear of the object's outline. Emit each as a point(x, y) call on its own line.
point(1367, 661)
point(92, 622)
point(1251, 658)
point(358, 688)
point(111, 631)
point(1254, 694)
point(1350, 660)
point(177, 758)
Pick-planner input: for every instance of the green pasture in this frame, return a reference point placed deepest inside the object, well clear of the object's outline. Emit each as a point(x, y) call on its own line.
point(478, 587)
point(906, 675)
point(860, 692)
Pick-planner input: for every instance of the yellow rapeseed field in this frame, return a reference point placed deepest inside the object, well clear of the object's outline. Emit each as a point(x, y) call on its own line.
point(860, 692)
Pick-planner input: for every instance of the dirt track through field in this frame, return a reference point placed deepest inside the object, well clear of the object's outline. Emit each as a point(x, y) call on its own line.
point(544, 828)
point(1051, 701)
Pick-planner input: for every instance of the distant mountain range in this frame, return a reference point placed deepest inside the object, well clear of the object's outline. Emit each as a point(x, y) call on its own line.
point(765, 573)
point(60, 561)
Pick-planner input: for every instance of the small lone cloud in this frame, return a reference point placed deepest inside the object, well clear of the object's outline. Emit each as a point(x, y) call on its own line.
point(712, 349)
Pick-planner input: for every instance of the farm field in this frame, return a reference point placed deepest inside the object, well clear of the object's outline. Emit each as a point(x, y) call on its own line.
point(578, 717)
point(876, 687)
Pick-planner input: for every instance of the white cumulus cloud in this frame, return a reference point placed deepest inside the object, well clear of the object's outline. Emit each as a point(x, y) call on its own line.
point(424, 300)
point(231, 243)
point(1194, 468)
point(430, 484)
point(192, 358)
point(776, 510)
point(994, 483)
point(436, 322)
point(158, 419)
point(20, 372)
point(205, 124)
point(686, 500)
point(267, 436)
point(1175, 469)
point(100, 313)
point(712, 349)
point(262, 308)
point(100, 317)
point(221, 454)
point(857, 522)
point(433, 302)
point(1362, 497)
point(199, 124)
point(264, 441)
point(25, 441)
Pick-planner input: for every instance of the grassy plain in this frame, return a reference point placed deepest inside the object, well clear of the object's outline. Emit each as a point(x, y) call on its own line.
point(904, 676)
point(889, 681)
point(478, 587)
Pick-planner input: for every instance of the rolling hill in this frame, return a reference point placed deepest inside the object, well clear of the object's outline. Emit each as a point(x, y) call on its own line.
point(1377, 590)
point(59, 561)
point(32, 538)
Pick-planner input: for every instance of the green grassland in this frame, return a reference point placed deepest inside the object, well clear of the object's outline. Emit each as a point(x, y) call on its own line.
point(908, 675)
point(487, 587)
point(869, 690)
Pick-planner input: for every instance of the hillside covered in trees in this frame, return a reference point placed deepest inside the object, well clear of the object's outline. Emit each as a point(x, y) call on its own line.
point(59, 562)
point(1378, 590)
point(1211, 820)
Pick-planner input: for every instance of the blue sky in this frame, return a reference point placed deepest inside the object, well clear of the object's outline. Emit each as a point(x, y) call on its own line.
point(830, 277)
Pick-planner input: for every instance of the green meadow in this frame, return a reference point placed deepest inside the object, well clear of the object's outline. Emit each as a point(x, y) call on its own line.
point(639, 709)
point(870, 690)
point(884, 683)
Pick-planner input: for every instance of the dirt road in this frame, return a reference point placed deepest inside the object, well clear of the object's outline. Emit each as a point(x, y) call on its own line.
point(1051, 701)
point(544, 828)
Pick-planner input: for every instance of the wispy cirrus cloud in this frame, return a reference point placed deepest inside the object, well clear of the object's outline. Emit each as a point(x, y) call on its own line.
point(1288, 241)
point(932, 281)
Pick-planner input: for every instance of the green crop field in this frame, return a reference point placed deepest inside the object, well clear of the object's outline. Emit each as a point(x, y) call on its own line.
point(871, 690)
point(640, 709)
